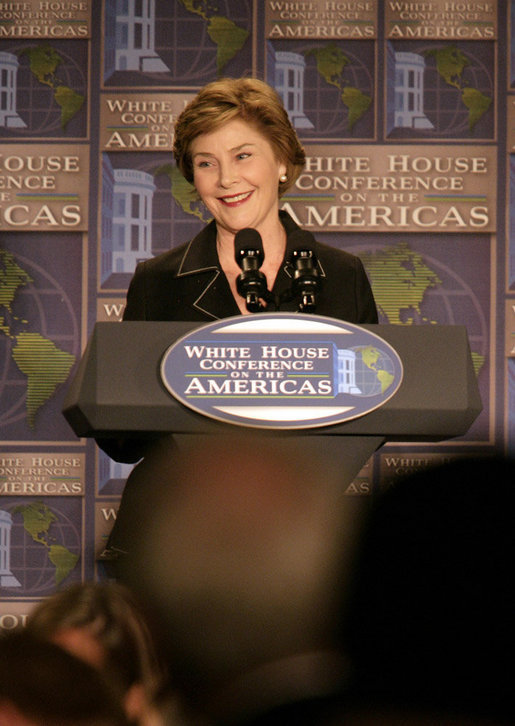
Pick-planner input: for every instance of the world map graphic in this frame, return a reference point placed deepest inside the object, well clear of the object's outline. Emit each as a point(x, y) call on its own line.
point(338, 87)
point(44, 63)
point(50, 90)
point(374, 370)
point(458, 89)
point(331, 62)
point(45, 545)
point(42, 363)
point(183, 192)
point(195, 40)
point(401, 280)
point(228, 37)
point(451, 63)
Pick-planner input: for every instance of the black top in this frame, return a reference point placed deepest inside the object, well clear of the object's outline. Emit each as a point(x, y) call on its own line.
point(187, 283)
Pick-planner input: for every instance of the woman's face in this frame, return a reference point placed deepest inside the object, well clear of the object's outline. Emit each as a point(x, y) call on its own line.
point(236, 174)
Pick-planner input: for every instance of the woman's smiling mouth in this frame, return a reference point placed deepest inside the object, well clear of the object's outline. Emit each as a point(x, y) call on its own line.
point(235, 199)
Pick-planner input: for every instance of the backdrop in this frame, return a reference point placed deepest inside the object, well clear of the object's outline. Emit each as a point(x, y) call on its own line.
point(406, 111)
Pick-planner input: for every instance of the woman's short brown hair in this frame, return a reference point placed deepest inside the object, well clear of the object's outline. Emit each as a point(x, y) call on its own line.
point(249, 99)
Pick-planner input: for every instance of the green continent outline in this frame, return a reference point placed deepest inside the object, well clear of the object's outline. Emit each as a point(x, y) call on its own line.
point(12, 278)
point(37, 521)
point(228, 37)
point(400, 279)
point(38, 358)
point(45, 366)
point(450, 64)
point(370, 355)
point(184, 193)
point(44, 62)
point(331, 62)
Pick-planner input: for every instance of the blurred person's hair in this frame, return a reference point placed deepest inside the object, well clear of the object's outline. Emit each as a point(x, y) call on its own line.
point(43, 684)
point(115, 618)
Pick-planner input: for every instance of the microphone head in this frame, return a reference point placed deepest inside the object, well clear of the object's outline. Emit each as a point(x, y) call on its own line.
point(303, 240)
point(302, 246)
point(248, 243)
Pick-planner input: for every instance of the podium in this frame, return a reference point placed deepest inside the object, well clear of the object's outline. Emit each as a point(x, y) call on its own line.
point(117, 392)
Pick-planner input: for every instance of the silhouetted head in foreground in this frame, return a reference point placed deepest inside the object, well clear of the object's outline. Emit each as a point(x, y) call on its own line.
point(43, 685)
point(238, 549)
point(105, 624)
point(431, 628)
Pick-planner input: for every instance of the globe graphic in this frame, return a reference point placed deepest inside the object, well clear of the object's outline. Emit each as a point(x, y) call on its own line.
point(447, 110)
point(29, 560)
point(366, 375)
point(459, 298)
point(443, 101)
point(323, 104)
point(47, 309)
point(35, 102)
point(194, 51)
point(183, 43)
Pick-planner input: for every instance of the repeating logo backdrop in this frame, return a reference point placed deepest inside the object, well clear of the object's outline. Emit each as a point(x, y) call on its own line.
point(407, 121)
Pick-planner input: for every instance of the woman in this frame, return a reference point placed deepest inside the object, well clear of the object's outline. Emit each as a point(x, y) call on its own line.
point(234, 142)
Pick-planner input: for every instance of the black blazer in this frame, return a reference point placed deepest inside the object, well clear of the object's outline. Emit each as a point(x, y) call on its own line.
point(187, 283)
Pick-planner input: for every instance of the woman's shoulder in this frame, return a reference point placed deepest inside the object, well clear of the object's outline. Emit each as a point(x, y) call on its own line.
point(330, 254)
point(169, 260)
point(181, 256)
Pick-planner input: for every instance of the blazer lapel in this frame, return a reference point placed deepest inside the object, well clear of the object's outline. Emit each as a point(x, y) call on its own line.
point(215, 300)
point(200, 263)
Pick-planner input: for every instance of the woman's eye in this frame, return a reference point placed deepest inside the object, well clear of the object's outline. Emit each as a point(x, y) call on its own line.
point(243, 155)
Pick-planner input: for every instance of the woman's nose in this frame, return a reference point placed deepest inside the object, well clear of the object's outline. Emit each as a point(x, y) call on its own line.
point(228, 175)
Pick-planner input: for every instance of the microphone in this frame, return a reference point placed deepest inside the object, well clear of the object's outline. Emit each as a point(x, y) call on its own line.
point(306, 281)
point(251, 282)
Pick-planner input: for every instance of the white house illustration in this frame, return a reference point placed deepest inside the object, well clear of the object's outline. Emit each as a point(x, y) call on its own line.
point(346, 372)
point(134, 30)
point(9, 117)
point(7, 579)
point(132, 218)
point(288, 70)
point(409, 91)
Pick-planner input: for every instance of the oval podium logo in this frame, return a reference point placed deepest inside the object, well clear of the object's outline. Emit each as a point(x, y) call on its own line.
point(281, 371)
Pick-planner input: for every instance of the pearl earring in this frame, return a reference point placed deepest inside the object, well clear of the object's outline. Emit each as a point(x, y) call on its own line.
point(283, 178)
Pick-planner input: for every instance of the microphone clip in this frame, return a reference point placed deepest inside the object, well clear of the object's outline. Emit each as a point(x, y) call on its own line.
point(306, 280)
point(251, 284)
